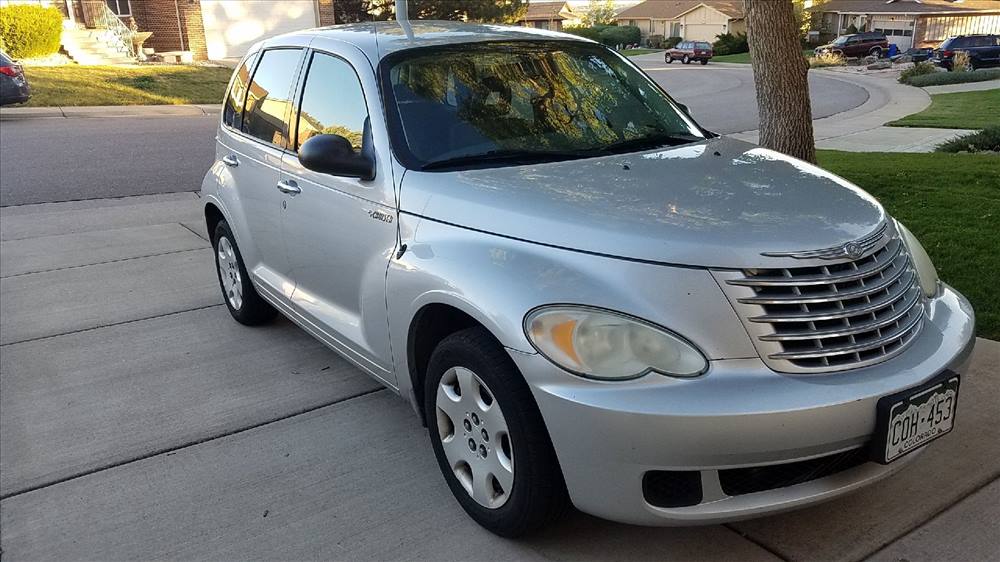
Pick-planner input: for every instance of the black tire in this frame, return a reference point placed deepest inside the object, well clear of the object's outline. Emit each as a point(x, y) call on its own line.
point(253, 310)
point(668, 59)
point(704, 62)
point(539, 492)
point(876, 52)
point(686, 59)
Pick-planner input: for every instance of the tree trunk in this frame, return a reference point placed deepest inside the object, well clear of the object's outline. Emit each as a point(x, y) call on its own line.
point(780, 73)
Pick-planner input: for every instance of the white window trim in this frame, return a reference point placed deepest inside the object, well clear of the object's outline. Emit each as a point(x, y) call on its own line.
point(128, 7)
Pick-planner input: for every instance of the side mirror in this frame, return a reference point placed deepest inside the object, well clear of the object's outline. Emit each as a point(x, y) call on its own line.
point(684, 108)
point(334, 155)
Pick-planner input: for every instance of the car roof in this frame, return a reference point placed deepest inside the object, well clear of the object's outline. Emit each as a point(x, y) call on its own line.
point(379, 39)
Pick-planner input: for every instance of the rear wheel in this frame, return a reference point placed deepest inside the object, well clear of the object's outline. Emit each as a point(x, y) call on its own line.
point(876, 52)
point(489, 438)
point(686, 60)
point(242, 300)
point(704, 61)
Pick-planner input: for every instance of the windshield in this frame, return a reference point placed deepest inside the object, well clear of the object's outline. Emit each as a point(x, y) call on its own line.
point(504, 103)
point(841, 40)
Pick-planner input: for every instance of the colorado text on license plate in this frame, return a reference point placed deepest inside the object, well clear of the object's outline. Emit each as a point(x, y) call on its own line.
point(921, 417)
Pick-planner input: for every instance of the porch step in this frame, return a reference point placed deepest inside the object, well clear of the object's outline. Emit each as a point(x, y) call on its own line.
point(94, 47)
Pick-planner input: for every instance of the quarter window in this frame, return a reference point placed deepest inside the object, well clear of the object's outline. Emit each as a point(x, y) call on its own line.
point(332, 101)
point(269, 96)
point(232, 113)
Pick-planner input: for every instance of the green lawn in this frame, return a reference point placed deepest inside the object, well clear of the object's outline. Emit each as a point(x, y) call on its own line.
point(951, 202)
point(961, 110)
point(744, 58)
point(130, 85)
point(634, 52)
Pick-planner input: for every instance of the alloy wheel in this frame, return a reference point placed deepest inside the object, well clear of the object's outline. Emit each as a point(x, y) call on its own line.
point(475, 438)
point(229, 273)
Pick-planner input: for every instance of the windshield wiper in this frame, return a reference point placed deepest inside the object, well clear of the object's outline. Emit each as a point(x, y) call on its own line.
point(510, 156)
point(648, 141)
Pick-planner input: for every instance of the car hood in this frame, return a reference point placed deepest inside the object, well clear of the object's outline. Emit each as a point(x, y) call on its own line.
point(717, 203)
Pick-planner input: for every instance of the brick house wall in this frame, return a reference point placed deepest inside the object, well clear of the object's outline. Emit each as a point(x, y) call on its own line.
point(325, 11)
point(160, 17)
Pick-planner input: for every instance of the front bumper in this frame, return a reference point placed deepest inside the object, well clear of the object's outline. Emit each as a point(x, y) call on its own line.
point(607, 436)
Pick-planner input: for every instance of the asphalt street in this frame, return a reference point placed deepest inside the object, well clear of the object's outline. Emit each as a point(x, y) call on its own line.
point(47, 160)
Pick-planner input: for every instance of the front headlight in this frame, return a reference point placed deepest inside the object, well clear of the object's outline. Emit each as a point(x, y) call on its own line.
point(921, 261)
point(601, 344)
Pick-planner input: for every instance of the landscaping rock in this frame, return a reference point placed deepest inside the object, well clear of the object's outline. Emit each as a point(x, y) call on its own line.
point(881, 65)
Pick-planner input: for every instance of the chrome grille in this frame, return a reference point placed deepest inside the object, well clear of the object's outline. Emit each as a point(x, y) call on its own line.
point(831, 317)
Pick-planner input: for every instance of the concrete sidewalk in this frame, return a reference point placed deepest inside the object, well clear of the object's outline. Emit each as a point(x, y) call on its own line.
point(862, 129)
point(968, 87)
point(138, 421)
point(11, 113)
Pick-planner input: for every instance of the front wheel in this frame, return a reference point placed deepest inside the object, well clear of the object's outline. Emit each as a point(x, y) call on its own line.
point(242, 300)
point(489, 438)
point(686, 60)
point(668, 59)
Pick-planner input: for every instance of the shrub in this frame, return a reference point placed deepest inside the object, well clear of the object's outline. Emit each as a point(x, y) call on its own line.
point(729, 44)
point(614, 35)
point(671, 42)
point(592, 33)
point(826, 59)
point(29, 31)
point(987, 140)
point(940, 78)
point(960, 61)
point(918, 69)
point(655, 41)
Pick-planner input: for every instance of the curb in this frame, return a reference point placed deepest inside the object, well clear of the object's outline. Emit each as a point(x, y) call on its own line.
point(68, 112)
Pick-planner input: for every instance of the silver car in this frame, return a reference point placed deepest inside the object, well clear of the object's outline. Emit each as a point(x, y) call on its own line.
point(586, 297)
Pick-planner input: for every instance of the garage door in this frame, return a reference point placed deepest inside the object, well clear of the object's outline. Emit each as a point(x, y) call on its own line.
point(703, 31)
point(232, 27)
point(898, 30)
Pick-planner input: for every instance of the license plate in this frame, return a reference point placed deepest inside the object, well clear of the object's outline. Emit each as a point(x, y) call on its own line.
point(914, 417)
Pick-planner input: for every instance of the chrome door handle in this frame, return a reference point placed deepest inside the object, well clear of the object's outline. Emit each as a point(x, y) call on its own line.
point(230, 160)
point(289, 187)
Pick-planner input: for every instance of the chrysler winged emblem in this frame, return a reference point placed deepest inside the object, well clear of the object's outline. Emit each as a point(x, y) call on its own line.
point(852, 250)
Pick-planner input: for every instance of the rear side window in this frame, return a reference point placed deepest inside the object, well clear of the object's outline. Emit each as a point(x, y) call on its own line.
point(232, 113)
point(265, 115)
point(332, 101)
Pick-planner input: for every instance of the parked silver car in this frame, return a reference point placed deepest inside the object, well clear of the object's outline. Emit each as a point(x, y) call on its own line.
point(584, 295)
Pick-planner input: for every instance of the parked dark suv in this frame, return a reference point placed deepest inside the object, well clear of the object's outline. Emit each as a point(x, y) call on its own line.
point(857, 45)
point(983, 50)
point(13, 85)
point(687, 51)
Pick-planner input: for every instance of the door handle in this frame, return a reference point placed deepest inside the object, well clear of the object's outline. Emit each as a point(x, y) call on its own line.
point(230, 160)
point(289, 187)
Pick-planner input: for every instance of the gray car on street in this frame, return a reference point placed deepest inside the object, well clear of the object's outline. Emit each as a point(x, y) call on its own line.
point(587, 298)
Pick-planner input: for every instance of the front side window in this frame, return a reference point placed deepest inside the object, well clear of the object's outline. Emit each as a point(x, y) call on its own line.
point(269, 96)
point(232, 112)
point(496, 103)
point(332, 101)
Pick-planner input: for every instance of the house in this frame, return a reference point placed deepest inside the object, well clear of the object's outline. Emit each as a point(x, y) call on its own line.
point(907, 23)
point(202, 29)
point(549, 15)
point(692, 20)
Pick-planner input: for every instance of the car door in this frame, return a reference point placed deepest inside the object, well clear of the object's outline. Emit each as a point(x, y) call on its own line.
point(253, 140)
point(341, 231)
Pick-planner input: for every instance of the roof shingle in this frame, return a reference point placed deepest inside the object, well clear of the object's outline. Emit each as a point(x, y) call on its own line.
point(671, 9)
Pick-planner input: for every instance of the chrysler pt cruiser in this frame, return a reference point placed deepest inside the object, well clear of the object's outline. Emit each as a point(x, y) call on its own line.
point(586, 297)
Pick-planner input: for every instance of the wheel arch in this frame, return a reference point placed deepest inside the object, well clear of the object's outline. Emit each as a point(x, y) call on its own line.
point(431, 323)
point(213, 216)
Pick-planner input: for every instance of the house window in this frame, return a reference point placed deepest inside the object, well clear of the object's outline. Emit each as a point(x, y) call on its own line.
point(120, 7)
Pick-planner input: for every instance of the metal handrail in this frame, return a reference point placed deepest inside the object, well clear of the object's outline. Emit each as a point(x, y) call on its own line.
point(99, 16)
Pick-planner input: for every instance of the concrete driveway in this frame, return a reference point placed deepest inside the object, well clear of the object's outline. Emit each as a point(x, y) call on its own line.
point(138, 421)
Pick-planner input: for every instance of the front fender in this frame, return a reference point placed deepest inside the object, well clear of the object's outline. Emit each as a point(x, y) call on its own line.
point(497, 280)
